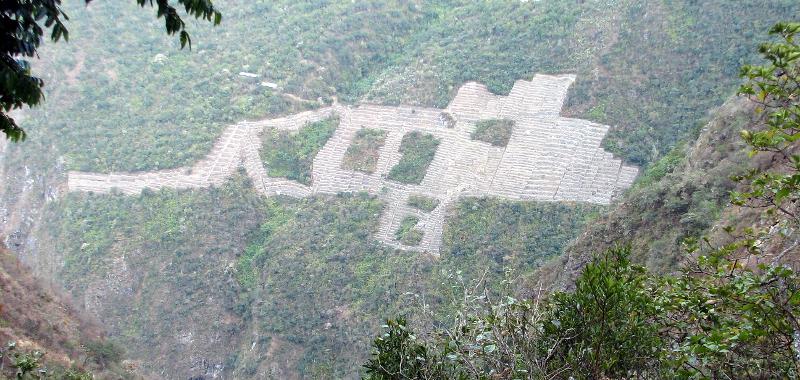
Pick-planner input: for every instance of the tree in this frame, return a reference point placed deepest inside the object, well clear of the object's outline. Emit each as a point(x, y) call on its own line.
point(732, 312)
point(724, 319)
point(735, 312)
point(22, 29)
point(776, 88)
point(397, 354)
point(605, 329)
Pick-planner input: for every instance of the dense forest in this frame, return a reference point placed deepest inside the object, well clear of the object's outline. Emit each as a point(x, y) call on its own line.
point(223, 281)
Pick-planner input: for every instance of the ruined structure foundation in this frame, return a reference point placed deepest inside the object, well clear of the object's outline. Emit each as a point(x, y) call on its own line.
point(548, 158)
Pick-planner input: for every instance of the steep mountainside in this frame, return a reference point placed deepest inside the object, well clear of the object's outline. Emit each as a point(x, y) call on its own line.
point(685, 194)
point(223, 282)
point(35, 318)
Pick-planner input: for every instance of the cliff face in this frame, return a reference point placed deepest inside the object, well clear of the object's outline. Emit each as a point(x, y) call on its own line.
point(37, 318)
point(684, 194)
point(28, 185)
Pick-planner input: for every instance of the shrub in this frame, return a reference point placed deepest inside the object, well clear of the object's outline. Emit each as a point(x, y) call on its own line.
point(604, 328)
point(397, 354)
point(362, 155)
point(406, 233)
point(418, 150)
point(494, 131)
point(717, 319)
point(423, 203)
point(291, 155)
point(104, 352)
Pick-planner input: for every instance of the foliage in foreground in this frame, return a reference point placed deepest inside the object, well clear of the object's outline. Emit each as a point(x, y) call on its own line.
point(731, 312)
point(23, 26)
point(730, 322)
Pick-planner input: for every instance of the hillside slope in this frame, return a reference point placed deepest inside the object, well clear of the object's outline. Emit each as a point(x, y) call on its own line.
point(685, 194)
point(35, 318)
point(221, 281)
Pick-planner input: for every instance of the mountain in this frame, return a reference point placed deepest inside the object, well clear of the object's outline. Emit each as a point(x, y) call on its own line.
point(34, 317)
point(685, 194)
point(223, 282)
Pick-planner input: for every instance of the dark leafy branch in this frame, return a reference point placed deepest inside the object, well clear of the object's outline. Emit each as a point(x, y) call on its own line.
point(23, 24)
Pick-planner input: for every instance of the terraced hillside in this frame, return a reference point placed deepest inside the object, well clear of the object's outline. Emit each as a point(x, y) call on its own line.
point(548, 157)
point(220, 280)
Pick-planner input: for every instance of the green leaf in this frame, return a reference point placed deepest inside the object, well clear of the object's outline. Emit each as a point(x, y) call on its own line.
point(185, 39)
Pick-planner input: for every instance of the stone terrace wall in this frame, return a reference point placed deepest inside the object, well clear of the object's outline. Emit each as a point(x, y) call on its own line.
point(549, 158)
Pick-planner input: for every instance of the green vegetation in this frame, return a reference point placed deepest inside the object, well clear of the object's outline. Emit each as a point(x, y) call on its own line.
point(172, 252)
point(363, 153)
point(731, 311)
point(224, 261)
point(23, 30)
point(714, 320)
point(423, 203)
point(31, 364)
point(407, 233)
point(332, 277)
point(418, 150)
point(189, 264)
point(659, 169)
point(494, 131)
point(290, 155)
point(694, 51)
point(34, 346)
point(684, 194)
point(486, 234)
point(604, 328)
point(775, 87)
point(151, 113)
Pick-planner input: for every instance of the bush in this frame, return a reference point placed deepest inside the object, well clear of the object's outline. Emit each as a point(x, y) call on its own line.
point(397, 355)
point(717, 319)
point(423, 203)
point(418, 150)
point(104, 352)
point(494, 131)
point(362, 155)
point(406, 233)
point(291, 155)
point(604, 328)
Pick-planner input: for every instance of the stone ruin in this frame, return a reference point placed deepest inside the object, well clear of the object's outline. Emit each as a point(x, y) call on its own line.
point(548, 158)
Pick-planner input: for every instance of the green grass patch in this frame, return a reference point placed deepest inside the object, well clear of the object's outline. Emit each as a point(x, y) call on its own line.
point(418, 151)
point(290, 155)
point(406, 233)
point(494, 131)
point(363, 153)
point(423, 203)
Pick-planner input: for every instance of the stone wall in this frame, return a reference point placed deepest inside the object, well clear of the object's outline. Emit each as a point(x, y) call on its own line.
point(549, 158)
